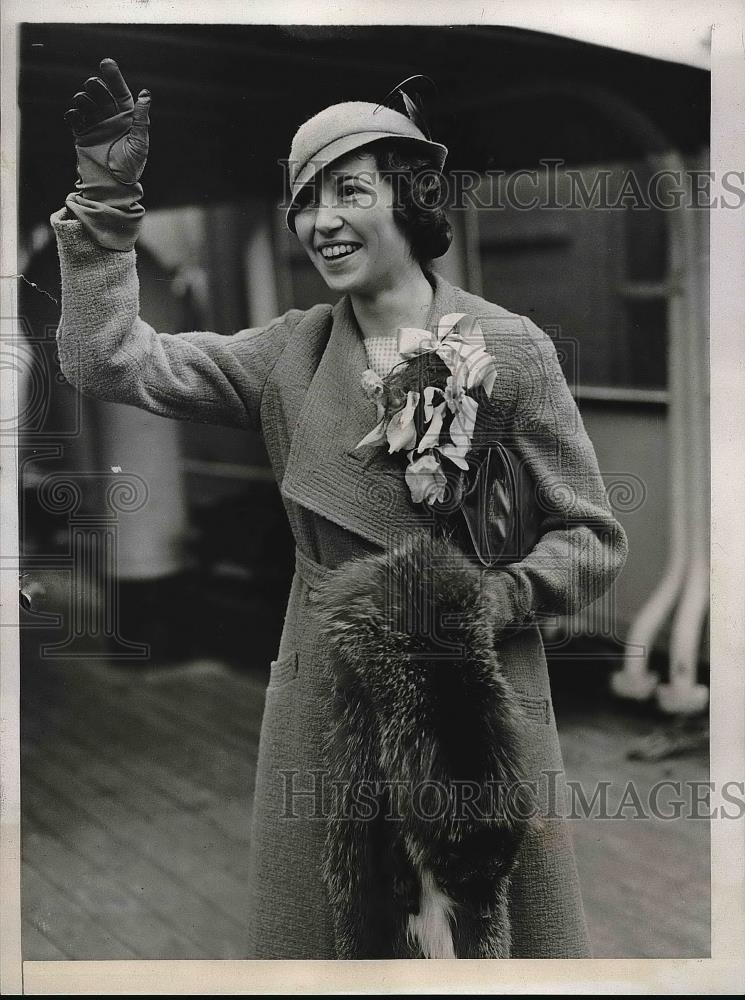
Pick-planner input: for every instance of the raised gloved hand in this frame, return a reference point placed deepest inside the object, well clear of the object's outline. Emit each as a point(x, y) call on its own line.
point(111, 139)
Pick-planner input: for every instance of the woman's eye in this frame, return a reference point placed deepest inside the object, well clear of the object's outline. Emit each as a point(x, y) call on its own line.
point(348, 190)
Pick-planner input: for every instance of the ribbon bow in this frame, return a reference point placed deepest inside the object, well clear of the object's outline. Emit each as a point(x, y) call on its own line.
point(459, 342)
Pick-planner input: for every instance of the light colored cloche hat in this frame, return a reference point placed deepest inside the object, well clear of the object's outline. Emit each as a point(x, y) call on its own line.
point(342, 128)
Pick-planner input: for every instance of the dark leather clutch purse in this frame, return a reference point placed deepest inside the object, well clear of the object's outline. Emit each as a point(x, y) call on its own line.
point(496, 519)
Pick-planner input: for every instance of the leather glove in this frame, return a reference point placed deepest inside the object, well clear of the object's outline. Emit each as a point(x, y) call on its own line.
point(111, 139)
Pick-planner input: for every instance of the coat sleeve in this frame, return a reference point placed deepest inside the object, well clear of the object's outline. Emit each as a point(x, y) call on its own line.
point(108, 351)
point(581, 547)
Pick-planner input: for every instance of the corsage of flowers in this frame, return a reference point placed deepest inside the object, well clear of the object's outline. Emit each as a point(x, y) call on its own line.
point(427, 406)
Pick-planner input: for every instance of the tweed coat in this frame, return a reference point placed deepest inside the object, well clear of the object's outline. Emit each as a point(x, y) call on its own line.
point(297, 379)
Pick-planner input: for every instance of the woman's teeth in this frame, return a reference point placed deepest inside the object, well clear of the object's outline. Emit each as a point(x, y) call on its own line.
point(338, 250)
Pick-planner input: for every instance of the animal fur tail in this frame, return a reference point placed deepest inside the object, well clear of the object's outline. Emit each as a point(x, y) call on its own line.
point(430, 931)
point(421, 707)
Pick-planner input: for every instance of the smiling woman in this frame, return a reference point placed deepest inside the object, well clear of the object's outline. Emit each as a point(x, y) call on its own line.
point(350, 232)
point(406, 673)
point(388, 174)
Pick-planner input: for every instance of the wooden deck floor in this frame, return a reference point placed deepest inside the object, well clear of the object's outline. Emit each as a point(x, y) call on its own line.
point(136, 792)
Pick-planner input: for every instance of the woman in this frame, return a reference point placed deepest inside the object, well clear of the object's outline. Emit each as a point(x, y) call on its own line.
point(359, 208)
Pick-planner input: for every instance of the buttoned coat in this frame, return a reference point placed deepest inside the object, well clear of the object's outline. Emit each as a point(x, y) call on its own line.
point(297, 380)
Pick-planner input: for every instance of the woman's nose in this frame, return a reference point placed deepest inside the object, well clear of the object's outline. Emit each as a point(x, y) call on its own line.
point(327, 218)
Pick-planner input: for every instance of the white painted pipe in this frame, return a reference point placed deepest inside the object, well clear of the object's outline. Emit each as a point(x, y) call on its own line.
point(682, 694)
point(636, 680)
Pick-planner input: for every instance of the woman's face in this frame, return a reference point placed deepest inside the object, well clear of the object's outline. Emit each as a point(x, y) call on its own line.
point(348, 229)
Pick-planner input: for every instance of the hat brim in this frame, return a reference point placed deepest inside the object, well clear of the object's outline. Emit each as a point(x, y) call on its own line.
point(347, 144)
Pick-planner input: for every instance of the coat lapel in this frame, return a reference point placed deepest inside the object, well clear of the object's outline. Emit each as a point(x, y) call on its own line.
point(362, 490)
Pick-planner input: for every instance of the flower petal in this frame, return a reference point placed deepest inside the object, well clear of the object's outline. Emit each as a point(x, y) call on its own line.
point(372, 385)
point(431, 436)
point(456, 455)
point(461, 427)
point(453, 393)
point(426, 480)
point(448, 354)
point(429, 394)
point(376, 436)
point(481, 368)
point(412, 341)
point(401, 430)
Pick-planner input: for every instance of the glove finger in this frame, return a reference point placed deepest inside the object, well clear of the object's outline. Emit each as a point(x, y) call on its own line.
point(114, 80)
point(141, 117)
point(98, 92)
point(76, 121)
point(85, 105)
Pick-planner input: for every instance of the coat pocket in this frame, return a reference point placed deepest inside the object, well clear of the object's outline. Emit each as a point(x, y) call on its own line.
point(283, 671)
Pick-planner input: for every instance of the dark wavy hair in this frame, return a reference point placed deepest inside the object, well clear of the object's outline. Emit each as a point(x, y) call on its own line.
point(420, 194)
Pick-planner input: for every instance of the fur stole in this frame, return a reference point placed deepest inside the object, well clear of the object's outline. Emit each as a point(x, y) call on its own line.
point(429, 808)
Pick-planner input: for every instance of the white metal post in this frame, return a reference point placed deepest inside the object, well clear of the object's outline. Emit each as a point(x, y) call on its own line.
point(636, 680)
point(682, 694)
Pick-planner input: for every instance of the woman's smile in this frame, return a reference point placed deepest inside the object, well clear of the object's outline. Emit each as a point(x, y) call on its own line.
point(333, 252)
